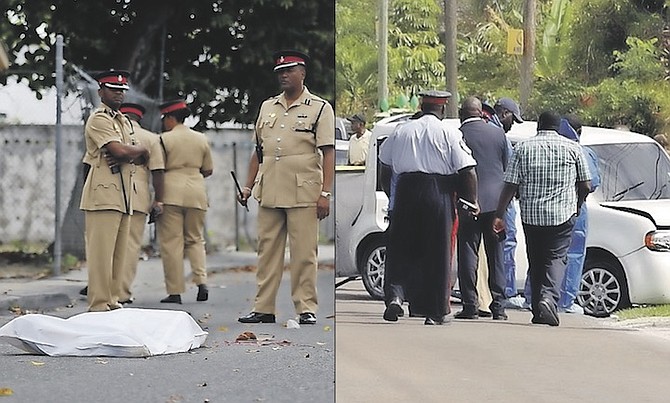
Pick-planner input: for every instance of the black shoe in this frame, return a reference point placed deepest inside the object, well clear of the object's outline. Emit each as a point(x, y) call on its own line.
point(84, 291)
point(467, 314)
point(483, 314)
point(203, 293)
point(255, 317)
point(128, 301)
point(394, 310)
point(548, 314)
point(307, 318)
point(434, 321)
point(172, 299)
point(499, 315)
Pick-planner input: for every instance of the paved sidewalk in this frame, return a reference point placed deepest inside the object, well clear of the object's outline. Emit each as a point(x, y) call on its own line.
point(56, 292)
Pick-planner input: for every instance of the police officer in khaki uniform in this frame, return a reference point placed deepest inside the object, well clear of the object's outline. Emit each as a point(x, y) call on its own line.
point(180, 226)
point(291, 174)
point(107, 196)
point(145, 175)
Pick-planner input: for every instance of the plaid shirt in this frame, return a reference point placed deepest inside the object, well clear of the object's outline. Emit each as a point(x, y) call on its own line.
point(546, 168)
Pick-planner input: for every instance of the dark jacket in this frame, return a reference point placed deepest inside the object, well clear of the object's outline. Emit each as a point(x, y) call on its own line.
point(489, 148)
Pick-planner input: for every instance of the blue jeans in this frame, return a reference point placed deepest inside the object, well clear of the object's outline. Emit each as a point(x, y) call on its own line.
point(576, 257)
point(509, 249)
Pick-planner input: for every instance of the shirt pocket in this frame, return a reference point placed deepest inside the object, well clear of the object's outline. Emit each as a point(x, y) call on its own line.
point(268, 122)
point(308, 187)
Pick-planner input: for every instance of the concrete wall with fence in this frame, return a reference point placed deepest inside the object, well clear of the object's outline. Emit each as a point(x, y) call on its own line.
point(28, 177)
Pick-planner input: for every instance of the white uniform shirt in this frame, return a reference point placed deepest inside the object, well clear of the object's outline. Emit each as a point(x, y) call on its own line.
point(358, 148)
point(426, 145)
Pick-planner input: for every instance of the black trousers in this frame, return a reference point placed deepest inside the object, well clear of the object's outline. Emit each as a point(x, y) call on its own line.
point(418, 253)
point(547, 251)
point(470, 234)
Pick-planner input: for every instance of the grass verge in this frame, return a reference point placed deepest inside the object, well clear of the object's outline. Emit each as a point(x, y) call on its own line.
point(644, 312)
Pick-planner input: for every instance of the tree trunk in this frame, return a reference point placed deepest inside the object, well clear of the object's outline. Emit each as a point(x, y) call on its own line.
point(451, 56)
point(528, 58)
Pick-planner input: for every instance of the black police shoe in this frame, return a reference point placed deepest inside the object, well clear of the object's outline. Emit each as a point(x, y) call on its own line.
point(128, 301)
point(172, 299)
point(203, 293)
point(84, 291)
point(394, 310)
point(467, 313)
point(255, 317)
point(307, 318)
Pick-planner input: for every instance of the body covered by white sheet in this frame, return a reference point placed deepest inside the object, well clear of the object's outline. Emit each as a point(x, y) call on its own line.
point(128, 332)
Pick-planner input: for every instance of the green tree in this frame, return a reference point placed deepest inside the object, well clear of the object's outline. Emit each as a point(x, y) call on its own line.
point(416, 52)
point(217, 52)
point(356, 61)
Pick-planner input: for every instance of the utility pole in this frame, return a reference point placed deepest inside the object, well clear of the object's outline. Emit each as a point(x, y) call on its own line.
point(451, 57)
point(59, 136)
point(382, 57)
point(528, 58)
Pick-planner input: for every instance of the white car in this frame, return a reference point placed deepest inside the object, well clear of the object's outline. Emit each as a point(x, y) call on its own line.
point(628, 243)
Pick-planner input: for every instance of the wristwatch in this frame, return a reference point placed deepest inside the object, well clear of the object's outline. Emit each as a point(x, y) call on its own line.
point(326, 194)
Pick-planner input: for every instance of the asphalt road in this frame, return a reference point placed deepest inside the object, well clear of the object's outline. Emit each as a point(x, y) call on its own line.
point(583, 360)
point(284, 365)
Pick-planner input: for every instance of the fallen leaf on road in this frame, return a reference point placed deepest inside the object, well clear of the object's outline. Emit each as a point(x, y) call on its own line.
point(327, 328)
point(253, 351)
point(6, 392)
point(246, 336)
point(276, 348)
point(101, 361)
point(223, 329)
point(37, 363)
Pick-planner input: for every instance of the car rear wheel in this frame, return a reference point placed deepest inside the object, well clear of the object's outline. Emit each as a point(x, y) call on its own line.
point(603, 288)
point(371, 268)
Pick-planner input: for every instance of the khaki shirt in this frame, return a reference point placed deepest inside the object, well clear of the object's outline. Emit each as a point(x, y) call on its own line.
point(291, 174)
point(104, 190)
point(187, 152)
point(142, 196)
point(358, 148)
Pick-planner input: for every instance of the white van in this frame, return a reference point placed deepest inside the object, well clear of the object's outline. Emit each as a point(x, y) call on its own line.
point(628, 244)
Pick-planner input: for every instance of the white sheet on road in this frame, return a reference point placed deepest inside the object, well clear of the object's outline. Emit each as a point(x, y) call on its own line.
point(127, 332)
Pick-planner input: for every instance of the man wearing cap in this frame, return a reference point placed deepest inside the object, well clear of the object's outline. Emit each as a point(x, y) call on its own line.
point(504, 114)
point(432, 163)
point(142, 201)
point(180, 225)
point(291, 174)
point(359, 143)
point(107, 196)
point(489, 147)
point(551, 176)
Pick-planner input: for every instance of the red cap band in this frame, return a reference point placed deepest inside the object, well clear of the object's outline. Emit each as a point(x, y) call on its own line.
point(290, 59)
point(118, 79)
point(130, 109)
point(174, 107)
point(435, 101)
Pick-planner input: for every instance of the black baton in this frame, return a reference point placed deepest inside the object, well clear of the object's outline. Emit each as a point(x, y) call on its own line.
point(237, 185)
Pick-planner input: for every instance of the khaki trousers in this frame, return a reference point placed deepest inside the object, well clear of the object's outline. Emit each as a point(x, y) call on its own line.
point(180, 233)
point(302, 227)
point(137, 222)
point(483, 291)
point(106, 236)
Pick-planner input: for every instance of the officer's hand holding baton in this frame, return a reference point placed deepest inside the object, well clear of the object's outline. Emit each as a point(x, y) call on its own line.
point(242, 194)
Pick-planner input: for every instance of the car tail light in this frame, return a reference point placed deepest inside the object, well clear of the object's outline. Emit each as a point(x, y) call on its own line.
point(658, 241)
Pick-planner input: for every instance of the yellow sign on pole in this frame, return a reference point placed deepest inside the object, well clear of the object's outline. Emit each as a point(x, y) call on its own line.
point(515, 41)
